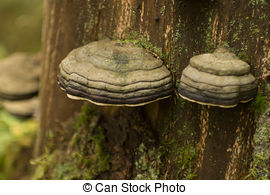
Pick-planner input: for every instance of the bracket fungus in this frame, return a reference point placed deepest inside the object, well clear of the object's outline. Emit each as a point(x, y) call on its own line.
point(114, 73)
point(19, 76)
point(217, 79)
point(22, 108)
point(19, 83)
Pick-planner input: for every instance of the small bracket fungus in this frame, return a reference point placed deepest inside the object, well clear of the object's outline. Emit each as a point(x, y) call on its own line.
point(114, 73)
point(19, 76)
point(22, 108)
point(217, 79)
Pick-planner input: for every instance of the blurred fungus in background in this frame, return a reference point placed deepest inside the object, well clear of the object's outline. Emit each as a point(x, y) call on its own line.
point(20, 31)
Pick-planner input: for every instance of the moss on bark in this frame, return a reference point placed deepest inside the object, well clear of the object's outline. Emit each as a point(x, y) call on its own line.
point(81, 156)
point(260, 165)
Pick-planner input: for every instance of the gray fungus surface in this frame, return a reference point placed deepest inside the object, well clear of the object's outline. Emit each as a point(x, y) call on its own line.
point(217, 79)
point(114, 73)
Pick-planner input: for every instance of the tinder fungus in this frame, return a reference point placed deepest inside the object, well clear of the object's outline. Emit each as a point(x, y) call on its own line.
point(19, 76)
point(217, 79)
point(114, 73)
point(22, 108)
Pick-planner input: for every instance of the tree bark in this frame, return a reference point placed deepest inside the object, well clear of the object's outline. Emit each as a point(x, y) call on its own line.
point(171, 139)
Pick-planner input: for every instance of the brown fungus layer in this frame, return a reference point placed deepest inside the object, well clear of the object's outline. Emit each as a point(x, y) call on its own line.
point(218, 79)
point(114, 73)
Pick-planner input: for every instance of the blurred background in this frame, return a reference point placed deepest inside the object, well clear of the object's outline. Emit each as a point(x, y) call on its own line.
point(20, 31)
point(20, 26)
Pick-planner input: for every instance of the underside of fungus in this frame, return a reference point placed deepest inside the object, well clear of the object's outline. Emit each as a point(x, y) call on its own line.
point(218, 79)
point(114, 73)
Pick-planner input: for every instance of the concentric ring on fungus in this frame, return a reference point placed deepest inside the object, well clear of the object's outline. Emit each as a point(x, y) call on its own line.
point(218, 79)
point(114, 73)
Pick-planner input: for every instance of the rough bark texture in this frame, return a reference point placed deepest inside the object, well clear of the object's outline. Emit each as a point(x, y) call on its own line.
point(172, 139)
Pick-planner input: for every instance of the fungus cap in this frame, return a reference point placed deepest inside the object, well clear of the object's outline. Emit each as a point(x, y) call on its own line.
point(22, 108)
point(114, 73)
point(19, 76)
point(218, 79)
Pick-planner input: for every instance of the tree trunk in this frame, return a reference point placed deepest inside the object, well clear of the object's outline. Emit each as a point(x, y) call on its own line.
point(170, 139)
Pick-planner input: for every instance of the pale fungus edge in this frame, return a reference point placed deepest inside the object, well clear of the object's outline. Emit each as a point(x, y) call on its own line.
point(128, 105)
point(207, 104)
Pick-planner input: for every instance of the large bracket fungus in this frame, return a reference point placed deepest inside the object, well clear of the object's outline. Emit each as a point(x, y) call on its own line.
point(114, 73)
point(217, 79)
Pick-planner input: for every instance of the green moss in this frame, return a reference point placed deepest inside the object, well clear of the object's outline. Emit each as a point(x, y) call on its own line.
point(182, 103)
point(253, 3)
point(178, 146)
point(82, 156)
point(185, 161)
point(260, 165)
point(162, 11)
point(187, 152)
point(258, 105)
point(140, 41)
point(147, 163)
point(166, 146)
point(102, 157)
point(243, 55)
point(83, 119)
point(259, 170)
point(16, 143)
point(184, 156)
